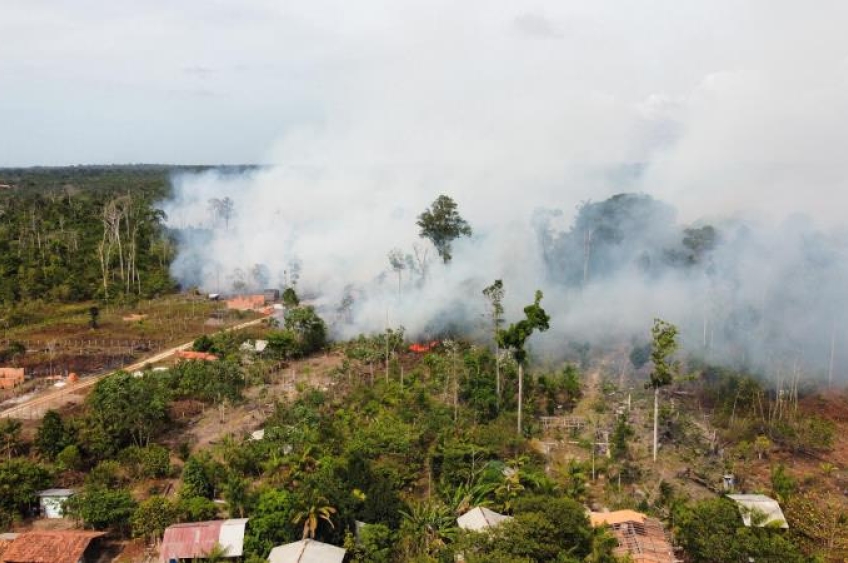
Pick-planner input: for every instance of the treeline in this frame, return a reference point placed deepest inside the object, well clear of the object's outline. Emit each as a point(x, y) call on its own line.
point(83, 233)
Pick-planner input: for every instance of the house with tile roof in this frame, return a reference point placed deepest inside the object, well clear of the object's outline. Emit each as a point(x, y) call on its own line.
point(55, 546)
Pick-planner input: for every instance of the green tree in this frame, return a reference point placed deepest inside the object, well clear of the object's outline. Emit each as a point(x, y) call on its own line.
point(10, 437)
point(711, 531)
point(270, 522)
point(290, 298)
point(52, 436)
point(152, 517)
point(374, 544)
point(210, 382)
point(124, 410)
point(216, 554)
point(105, 475)
point(783, 485)
point(514, 337)
point(622, 432)
point(70, 459)
point(149, 462)
point(664, 345)
point(103, 509)
point(441, 224)
point(196, 509)
point(309, 328)
point(196, 480)
point(283, 344)
point(203, 343)
point(315, 511)
point(426, 529)
point(20, 480)
point(640, 355)
point(543, 529)
point(237, 494)
point(495, 294)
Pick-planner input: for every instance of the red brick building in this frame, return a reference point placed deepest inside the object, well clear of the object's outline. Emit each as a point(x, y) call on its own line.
point(11, 377)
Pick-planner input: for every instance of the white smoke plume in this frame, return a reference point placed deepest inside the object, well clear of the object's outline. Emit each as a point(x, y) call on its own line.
point(735, 115)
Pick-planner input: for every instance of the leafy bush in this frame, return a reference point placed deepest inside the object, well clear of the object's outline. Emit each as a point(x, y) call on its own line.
point(103, 509)
point(149, 462)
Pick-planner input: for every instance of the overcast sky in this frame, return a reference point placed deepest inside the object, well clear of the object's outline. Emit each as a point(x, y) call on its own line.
point(745, 99)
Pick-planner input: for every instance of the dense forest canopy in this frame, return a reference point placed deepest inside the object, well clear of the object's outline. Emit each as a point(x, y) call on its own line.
point(85, 232)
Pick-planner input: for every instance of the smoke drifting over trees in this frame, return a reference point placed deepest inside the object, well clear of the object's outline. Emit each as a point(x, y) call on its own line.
point(742, 292)
point(627, 171)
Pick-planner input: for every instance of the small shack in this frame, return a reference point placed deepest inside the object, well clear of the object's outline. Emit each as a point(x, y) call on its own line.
point(307, 551)
point(194, 355)
point(196, 539)
point(51, 502)
point(11, 377)
point(246, 302)
point(641, 538)
point(760, 511)
point(255, 346)
point(481, 518)
point(54, 546)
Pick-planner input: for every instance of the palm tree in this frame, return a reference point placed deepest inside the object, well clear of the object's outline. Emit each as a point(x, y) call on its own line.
point(216, 554)
point(467, 496)
point(430, 525)
point(304, 465)
point(311, 516)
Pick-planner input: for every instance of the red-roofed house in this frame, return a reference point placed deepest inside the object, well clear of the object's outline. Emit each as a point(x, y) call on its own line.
point(56, 546)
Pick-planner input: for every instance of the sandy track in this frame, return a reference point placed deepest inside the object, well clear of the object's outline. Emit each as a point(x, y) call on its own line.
point(36, 407)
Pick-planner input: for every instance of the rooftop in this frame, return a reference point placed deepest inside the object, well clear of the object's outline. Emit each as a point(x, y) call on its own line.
point(65, 546)
point(307, 551)
point(196, 539)
point(56, 493)
point(760, 511)
point(481, 518)
point(642, 538)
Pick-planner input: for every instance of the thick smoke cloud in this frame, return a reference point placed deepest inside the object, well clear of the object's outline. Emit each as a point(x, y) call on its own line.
point(729, 115)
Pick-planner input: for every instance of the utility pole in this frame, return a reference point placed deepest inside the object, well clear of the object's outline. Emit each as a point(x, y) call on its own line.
point(520, 393)
point(832, 355)
point(656, 417)
point(387, 345)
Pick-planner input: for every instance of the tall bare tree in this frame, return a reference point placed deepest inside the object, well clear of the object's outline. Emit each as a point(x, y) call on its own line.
point(495, 294)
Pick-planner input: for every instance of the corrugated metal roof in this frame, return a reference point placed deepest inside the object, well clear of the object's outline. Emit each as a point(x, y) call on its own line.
point(232, 536)
point(56, 493)
point(196, 539)
point(770, 509)
point(480, 518)
point(307, 551)
point(57, 546)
